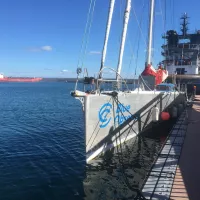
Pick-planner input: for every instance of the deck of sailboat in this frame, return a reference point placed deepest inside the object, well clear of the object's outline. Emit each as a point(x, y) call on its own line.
point(134, 92)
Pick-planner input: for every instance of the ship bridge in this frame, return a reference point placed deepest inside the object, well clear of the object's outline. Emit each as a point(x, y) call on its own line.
point(182, 51)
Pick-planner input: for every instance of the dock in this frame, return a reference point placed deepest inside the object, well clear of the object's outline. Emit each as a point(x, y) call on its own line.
point(187, 179)
point(175, 175)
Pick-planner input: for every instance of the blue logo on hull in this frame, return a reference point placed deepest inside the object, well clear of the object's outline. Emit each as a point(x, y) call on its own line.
point(103, 113)
point(120, 114)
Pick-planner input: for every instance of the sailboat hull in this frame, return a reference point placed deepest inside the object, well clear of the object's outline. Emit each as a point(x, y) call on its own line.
point(111, 120)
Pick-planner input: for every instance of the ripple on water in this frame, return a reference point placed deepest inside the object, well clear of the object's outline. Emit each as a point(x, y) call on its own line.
point(39, 150)
point(42, 153)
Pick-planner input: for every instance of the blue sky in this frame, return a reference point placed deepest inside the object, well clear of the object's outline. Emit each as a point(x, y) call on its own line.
point(43, 37)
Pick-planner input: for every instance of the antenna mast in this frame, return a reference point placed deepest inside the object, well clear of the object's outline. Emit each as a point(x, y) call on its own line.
point(184, 24)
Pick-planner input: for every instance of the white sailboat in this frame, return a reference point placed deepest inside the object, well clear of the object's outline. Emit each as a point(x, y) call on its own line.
point(113, 117)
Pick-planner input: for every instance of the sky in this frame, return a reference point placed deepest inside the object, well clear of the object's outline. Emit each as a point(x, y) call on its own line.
point(42, 38)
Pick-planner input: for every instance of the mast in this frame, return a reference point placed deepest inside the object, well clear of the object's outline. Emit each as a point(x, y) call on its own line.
point(112, 3)
point(126, 19)
point(149, 50)
point(184, 24)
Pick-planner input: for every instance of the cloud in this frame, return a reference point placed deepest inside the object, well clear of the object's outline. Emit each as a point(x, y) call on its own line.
point(95, 52)
point(46, 48)
point(42, 48)
point(64, 70)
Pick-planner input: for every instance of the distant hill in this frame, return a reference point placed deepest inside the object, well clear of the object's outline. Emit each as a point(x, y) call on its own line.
point(58, 80)
point(72, 80)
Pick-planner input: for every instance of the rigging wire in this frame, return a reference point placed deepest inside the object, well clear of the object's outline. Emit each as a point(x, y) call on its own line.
point(97, 126)
point(120, 151)
point(85, 32)
point(120, 22)
point(163, 19)
point(139, 27)
point(87, 40)
point(162, 16)
point(173, 14)
point(165, 6)
point(137, 53)
point(120, 18)
point(138, 33)
point(145, 83)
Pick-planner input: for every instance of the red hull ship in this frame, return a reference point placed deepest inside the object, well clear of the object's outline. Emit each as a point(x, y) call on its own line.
point(17, 79)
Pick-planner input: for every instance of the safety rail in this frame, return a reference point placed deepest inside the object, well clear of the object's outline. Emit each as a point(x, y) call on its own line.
point(158, 183)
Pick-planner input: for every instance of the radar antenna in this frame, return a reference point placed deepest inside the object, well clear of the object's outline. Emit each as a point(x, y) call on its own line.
point(184, 24)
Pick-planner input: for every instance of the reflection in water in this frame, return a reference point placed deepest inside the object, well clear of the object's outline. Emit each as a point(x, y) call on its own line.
point(121, 171)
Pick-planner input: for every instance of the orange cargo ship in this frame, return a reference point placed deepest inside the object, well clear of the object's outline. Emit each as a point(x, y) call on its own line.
point(13, 79)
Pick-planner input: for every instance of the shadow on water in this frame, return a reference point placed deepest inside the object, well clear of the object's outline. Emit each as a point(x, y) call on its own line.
point(120, 172)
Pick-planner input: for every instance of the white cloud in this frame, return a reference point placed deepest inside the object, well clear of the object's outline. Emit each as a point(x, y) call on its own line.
point(46, 48)
point(95, 52)
point(64, 70)
point(42, 48)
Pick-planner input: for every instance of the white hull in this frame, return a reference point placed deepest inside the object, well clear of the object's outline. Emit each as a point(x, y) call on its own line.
point(110, 121)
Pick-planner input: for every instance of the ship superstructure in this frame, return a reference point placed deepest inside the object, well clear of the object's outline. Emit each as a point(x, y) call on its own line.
point(182, 50)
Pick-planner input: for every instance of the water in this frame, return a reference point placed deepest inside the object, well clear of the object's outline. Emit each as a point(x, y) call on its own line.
point(42, 154)
point(120, 174)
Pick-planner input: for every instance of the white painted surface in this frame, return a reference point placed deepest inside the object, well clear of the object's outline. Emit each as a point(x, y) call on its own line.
point(112, 3)
point(126, 19)
point(190, 69)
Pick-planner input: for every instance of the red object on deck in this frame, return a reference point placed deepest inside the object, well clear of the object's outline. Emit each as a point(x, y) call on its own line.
point(165, 116)
point(160, 74)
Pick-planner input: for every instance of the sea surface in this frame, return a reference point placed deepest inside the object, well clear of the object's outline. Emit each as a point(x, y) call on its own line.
point(42, 153)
